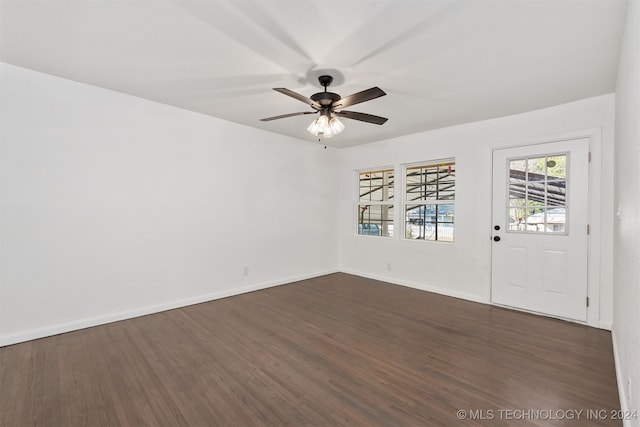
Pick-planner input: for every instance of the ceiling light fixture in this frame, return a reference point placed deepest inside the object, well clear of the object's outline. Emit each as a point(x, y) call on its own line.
point(330, 106)
point(326, 126)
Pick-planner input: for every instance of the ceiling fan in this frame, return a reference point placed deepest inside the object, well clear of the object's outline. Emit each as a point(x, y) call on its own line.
point(330, 106)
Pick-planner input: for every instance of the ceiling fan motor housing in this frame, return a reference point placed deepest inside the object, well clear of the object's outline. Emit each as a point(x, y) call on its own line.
point(325, 98)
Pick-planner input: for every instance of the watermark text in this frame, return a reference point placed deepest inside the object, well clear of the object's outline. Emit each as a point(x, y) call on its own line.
point(546, 414)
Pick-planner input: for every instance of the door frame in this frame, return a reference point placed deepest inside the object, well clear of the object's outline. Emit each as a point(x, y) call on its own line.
point(594, 217)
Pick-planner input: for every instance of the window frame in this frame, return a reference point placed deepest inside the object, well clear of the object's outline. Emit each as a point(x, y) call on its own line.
point(405, 202)
point(391, 204)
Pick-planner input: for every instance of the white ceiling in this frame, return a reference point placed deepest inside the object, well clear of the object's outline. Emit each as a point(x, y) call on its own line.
point(440, 62)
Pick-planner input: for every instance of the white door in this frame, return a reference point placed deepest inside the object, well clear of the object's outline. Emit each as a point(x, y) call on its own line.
point(539, 248)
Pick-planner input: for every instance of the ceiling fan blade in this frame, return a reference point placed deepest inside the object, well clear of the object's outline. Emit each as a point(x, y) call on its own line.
point(363, 117)
point(268, 119)
point(357, 98)
point(298, 97)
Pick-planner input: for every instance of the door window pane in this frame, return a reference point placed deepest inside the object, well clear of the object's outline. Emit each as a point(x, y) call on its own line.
point(536, 169)
point(537, 189)
point(556, 193)
point(557, 167)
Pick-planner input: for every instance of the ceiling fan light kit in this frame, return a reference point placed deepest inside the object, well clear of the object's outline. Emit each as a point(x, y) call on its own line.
point(330, 105)
point(326, 126)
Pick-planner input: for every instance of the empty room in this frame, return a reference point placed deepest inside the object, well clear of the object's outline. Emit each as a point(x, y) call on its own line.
point(320, 213)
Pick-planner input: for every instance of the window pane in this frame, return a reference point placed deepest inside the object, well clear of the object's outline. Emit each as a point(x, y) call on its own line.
point(517, 219)
point(535, 193)
point(415, 214)
point(517, 178)
point(416, 183)
point(375, 220)
point(429, 222)
point(431, 182)
point(556, 220)
point(535, 220)
point(536, 168)
point(517, 203)
point(376, 186)
point(557, 167)
point(445, 232)
point(518, 165)
point(556, 193)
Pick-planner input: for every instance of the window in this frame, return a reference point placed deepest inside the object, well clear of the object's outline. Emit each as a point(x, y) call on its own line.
point(375, 203)
point(429, 201)
point(538, 194)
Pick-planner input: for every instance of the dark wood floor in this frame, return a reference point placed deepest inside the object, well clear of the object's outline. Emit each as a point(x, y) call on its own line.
point(335, 350)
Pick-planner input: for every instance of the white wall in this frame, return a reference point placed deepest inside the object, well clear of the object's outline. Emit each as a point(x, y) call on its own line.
point(626, 320)
point(463, 268)
point(114, 206)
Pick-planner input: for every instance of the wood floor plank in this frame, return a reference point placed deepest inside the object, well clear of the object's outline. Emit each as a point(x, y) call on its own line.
point(330, 351)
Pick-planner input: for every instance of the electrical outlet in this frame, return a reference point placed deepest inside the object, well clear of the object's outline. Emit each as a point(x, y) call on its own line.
point(388, 266)
point(245, 271)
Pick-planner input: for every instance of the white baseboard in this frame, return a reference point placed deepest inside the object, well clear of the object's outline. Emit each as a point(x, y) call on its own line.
point(416, 285)
point(622, 392)
point(605, 324)
point(114, 317)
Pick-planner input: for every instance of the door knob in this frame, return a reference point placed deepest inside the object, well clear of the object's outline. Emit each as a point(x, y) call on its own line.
point(496, 238)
